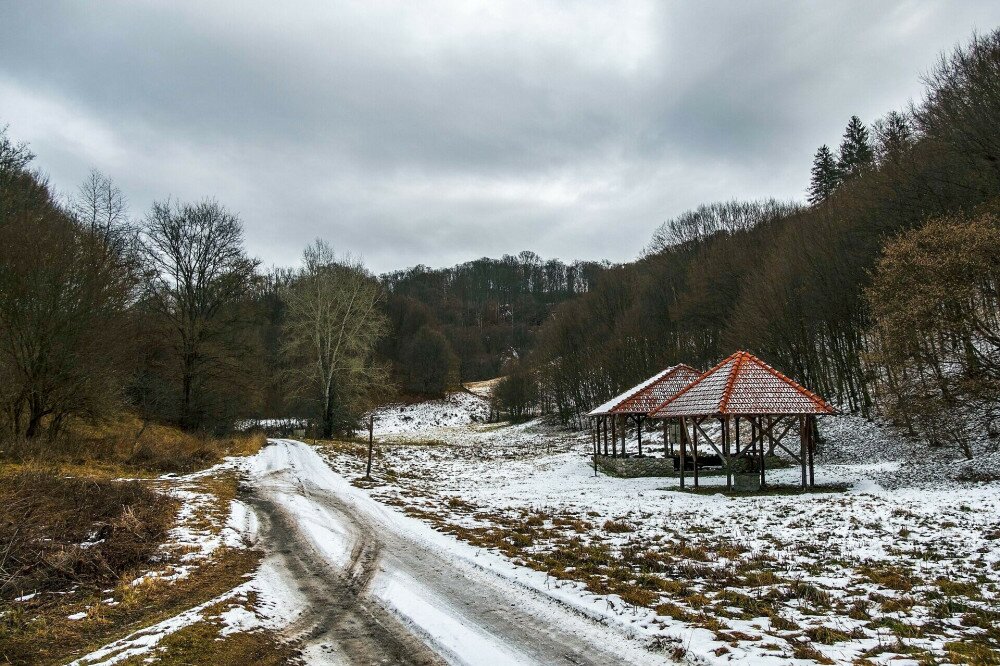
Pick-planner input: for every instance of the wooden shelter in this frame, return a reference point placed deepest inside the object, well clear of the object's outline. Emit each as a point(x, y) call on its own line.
point(747, 397)
point(634, 405)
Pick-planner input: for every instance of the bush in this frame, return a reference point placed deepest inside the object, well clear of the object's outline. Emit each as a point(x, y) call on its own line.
point(59, 530)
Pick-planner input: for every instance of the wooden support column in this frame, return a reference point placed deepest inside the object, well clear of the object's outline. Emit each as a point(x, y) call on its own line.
point(683, 433)
point(595, 441)
point(638, 430)
point(812, 450)
point(604, 427)
point(694, 450)
point(614, 436)
point(724, 422)
point(803, 439)
point(666, 438)
point(763, 453)
point(737, 435)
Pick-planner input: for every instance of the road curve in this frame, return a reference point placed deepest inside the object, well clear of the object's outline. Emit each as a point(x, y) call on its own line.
point(377, 593)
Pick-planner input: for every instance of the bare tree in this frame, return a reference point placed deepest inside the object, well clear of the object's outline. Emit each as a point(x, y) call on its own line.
point(333, 323)
point(200, 278)
point(64, 295)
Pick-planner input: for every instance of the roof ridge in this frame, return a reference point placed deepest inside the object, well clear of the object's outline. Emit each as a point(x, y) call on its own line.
point(815, 399)
point(727, 392)
point(664, 376)
point(694, 382)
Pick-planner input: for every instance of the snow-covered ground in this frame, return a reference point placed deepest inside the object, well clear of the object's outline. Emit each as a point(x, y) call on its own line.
point(904, 565)
point(497, 543)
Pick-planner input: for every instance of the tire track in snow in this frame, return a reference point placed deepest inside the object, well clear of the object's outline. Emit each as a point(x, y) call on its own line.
point(363, 590)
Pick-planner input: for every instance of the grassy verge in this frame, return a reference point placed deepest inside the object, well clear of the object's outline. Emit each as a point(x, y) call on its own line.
point(79, 541)
point(205, 643)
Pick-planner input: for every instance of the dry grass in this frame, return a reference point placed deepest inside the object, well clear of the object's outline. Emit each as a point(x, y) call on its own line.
point(40, 633)
point(59, 531)
point(203, 643)
point(77, 534)
point(123, 447)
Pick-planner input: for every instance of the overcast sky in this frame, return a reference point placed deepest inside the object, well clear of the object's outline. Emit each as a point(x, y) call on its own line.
point(438, 132)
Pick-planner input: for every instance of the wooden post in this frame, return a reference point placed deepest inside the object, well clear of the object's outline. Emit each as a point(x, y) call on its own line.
point(604, 420)
point(371, 442)
point(683, 433)
point(638, 429)
point(812, 450)
point(763, 458)
point(595, 440)
point(666, 437)
point(614, 436)
point(724, 422)
point(694, 450)
point(802, 449)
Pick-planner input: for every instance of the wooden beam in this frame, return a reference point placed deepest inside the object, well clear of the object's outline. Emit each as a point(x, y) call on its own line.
point(802, 449)
point(694, 450)
point(683, 434)
point(710, 441)
point(763, 455)
point(724, 424)
point(812, 452)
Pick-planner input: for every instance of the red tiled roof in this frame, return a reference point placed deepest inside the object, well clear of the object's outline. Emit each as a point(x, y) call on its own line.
point(649, 393)
point(742, 384)
point(655, 393)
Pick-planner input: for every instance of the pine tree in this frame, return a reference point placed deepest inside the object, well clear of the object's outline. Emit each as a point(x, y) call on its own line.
point(825, 176)
point(855, 150)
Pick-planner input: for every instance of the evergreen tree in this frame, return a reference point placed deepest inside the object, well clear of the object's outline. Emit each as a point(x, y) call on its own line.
point(855, 150)
point(825, 176)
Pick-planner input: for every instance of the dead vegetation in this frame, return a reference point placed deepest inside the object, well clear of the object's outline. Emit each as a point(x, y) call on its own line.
point(695, 574)
point(77, 539)
point(128, 446)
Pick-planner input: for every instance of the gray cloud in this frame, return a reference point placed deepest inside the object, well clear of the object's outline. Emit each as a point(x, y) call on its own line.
point(439, 132)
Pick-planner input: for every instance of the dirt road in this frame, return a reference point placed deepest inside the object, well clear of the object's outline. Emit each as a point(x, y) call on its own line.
point(379, 594)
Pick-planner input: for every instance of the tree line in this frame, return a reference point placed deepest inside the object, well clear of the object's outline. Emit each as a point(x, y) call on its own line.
point(881, 293)
point(168, 316)
point(467, 320)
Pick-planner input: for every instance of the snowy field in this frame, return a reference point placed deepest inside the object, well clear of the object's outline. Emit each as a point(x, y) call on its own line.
point(903, 567)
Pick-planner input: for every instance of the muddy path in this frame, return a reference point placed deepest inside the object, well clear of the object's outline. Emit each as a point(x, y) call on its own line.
point(340, 621)
point(377, 592)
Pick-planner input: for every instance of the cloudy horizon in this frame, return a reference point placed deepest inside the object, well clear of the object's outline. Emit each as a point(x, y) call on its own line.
point(440, 134)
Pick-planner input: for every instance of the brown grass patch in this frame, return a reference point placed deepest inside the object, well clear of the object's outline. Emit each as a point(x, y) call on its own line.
point(42, 635)
point(61, 531)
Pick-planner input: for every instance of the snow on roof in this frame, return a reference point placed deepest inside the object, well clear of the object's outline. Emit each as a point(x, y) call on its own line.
point(643, 397)
point(742, 384)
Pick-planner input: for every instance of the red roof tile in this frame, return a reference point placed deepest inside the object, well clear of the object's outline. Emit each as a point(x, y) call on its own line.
point(648, 394)
point(742, 384)
point(654, 394)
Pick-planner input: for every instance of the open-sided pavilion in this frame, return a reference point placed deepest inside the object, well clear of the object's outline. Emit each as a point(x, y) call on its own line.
point(634, 405)
point(744, 393)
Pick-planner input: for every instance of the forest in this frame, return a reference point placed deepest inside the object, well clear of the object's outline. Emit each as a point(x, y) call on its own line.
point(880, 292)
